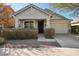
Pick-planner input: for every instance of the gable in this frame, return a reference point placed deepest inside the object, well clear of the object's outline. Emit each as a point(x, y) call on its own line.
point(32, 13)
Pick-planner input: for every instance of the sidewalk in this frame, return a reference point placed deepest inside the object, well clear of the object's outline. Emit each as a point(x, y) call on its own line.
point(42, 38)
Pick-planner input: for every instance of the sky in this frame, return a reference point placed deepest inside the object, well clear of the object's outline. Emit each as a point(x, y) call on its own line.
point(17, 6)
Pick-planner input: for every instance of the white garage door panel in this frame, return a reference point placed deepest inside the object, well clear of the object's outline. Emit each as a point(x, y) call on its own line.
point(60, 28)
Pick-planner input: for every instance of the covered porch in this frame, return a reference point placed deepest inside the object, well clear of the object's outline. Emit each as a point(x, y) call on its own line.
point(39, 24)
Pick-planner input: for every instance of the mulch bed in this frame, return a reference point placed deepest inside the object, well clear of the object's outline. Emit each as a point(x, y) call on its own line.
point(30, 44)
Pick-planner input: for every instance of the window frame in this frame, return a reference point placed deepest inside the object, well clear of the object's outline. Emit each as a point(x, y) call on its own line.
point(29, 25)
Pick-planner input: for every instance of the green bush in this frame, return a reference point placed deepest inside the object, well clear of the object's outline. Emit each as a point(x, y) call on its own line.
point(49, 33)
point(75, 29)
point(20, 33)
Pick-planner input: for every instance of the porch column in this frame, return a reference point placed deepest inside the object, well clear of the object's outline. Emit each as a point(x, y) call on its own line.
point(48, 23)
point(23, 24)
point(16, 22)
point(35, 24)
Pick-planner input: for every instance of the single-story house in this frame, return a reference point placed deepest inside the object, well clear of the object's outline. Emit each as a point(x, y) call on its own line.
point(32, 16)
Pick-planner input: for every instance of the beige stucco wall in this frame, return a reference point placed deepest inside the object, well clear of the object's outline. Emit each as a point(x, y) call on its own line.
point(32, 14)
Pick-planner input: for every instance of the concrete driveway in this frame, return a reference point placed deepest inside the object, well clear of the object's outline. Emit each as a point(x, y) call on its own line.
point(68, 41)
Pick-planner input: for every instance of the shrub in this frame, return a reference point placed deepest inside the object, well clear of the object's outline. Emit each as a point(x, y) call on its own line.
point(20, 33)
point(2, 40)
point(49, 32)
point(75, 29)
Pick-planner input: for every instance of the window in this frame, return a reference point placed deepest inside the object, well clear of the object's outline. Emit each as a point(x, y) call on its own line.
point(28, 24)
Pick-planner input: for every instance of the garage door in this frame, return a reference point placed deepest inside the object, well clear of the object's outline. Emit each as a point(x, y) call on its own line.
point(60, 28)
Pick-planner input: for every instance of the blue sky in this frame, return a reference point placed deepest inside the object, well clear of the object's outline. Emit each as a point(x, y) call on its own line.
point(17, 6)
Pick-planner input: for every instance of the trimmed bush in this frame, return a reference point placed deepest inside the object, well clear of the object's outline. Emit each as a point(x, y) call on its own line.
point(49, 32)
point(20, 33)
point(2, 40)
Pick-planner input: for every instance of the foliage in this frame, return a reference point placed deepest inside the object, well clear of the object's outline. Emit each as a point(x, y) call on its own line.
point(6, 15)
point(75, 29)
point(72, 8)
point(65, 6)
point(49, 32)
point(20, 33)
point(2, 40)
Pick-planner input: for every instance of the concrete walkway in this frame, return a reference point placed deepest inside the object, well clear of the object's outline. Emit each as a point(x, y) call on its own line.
point(42, 38)
point(68, 41)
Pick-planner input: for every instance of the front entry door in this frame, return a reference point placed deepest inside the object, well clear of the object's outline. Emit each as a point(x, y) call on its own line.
point(41, 26)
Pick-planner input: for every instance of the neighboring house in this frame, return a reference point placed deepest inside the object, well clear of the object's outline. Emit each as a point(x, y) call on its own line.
point(75, 22)
point(32, 16)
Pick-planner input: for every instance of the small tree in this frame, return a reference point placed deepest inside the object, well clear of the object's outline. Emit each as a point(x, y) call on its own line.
point(6, 18)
